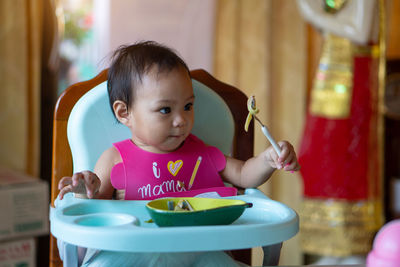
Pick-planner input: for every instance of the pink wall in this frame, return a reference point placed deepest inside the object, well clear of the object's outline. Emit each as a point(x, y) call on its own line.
point(185, 25)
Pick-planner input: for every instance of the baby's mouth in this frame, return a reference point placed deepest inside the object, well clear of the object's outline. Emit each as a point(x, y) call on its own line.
point(177, 136)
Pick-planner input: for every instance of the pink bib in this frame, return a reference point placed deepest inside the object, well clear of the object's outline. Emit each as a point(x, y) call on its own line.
point(145, 175)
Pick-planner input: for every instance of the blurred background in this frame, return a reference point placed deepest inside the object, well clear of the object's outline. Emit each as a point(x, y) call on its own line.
point(264, 47)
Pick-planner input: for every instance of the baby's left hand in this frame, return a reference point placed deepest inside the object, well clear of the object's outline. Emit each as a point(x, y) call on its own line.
point(287, 160)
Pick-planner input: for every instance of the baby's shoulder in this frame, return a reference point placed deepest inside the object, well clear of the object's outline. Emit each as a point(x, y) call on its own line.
point(111, 155)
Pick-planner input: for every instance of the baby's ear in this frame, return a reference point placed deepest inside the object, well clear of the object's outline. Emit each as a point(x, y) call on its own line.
point(121, 112)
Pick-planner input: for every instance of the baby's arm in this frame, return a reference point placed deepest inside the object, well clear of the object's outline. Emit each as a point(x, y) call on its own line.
point(257, 170)
point(95, 184)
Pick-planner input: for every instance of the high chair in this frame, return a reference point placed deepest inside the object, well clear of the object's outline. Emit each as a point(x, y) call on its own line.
point(84, 127)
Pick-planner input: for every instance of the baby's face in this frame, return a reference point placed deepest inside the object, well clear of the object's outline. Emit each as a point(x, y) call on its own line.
point(162, 113)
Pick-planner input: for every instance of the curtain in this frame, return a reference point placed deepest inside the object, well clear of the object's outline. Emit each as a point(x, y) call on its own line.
point(20, 54)
point(261, 48)
point(28, 50)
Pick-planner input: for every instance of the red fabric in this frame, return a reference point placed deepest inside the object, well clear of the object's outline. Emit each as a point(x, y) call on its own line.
point(335, 154)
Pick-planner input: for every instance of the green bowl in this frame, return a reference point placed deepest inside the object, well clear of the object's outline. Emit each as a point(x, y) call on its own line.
point(207, 211)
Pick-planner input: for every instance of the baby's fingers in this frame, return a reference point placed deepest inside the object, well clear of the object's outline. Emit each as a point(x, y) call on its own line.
point(273, 159)
point(92, 184)
point(288, 157)
point(291, 163)
point(65, 186)
point(292, 166)
point(75, 184)
point(291, 158)
point(78, 183)
point(286, 149)
point(64, 190)
point(64, 182)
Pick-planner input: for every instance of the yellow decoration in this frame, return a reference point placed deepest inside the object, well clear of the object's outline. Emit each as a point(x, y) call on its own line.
point(174, 167)
point(332, 90)
point(338, 227)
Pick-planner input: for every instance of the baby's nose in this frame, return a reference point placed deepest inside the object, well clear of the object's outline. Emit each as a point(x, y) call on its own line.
point(179, 120)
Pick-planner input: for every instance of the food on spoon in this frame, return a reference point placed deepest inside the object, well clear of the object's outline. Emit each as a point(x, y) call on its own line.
point(253, 110)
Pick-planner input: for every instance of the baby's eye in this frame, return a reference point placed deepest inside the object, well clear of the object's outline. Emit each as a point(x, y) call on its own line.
point(165, 110)
point(188, 106)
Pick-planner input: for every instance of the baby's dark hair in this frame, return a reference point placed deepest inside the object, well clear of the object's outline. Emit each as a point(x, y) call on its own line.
point(130, 62)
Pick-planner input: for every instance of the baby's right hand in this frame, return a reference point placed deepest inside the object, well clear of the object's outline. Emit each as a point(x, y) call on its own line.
point(85, 182)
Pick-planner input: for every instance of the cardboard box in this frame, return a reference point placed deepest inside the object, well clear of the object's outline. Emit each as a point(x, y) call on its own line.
point(24, 205)
point(18, 253)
